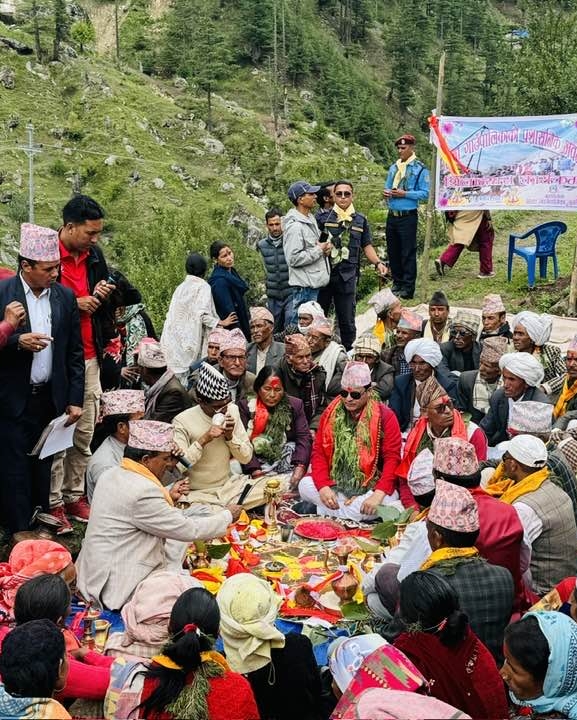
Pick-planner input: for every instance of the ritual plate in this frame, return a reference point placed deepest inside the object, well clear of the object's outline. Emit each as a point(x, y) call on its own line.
point(318, 529)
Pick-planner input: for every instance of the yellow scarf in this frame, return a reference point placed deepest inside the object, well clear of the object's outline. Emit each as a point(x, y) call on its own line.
point(508, 490)
point(140, 469)
point(567, 393)
point(448, 554)
point(210, 656)
point(402, 170)
point(344, 215)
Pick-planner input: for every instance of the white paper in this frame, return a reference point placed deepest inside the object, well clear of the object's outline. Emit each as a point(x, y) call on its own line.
point(59, 438)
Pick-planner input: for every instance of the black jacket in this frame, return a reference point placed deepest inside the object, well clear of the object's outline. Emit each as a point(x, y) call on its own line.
point(402, 398)
point(496, 420)
point(67, 358)
point(453, 358)
point(359, 236)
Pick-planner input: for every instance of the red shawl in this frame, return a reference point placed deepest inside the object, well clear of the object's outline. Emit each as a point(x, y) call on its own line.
point(465, 676)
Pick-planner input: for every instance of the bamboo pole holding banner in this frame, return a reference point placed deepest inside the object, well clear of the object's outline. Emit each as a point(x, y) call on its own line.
point(572, 310)
point(424, 281)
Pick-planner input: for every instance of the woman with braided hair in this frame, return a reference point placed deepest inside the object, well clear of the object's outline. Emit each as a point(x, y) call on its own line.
point(188, 679)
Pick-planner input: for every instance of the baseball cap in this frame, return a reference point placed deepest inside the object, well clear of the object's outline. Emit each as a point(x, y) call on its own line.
point(299, 188)
point(528, 450)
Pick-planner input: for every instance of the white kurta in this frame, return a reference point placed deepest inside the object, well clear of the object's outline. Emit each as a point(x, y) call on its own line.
point(129, 522)
point(190, 317)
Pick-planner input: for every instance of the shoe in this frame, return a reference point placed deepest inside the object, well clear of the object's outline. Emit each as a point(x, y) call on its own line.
point(439, 267)
point(79, 510)
point(482, 276)
point(64, 526)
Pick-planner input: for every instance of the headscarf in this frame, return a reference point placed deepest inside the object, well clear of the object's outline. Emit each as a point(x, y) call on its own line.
point(560, 685)
point(523, 365)
point(427, 349)
point(346, 654)
point(428, 391)
point(538, 327)
point(147, 613)
point(311, 308)
point(382, 704)
point(28, 559)
point(385, 667)
point(248, 610)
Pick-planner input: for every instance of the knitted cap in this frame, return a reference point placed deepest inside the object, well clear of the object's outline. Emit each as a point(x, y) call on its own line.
point(368, 343)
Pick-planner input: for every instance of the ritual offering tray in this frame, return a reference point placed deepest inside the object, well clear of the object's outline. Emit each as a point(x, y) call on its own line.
point(320, 529)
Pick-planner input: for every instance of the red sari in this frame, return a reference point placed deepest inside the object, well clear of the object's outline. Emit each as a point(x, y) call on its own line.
point(465, 676)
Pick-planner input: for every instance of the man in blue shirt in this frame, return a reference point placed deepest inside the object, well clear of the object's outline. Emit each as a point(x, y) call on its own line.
point(407, 185)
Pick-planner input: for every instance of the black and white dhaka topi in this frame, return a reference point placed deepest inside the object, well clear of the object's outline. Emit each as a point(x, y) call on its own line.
point(211, 384)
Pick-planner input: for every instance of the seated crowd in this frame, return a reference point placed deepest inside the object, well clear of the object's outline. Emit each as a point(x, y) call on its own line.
point(467, 420)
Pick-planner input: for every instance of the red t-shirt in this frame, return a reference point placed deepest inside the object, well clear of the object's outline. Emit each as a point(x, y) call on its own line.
point(74, 275)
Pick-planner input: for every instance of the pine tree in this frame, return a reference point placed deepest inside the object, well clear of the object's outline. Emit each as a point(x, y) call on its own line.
point(61, 24)
point(255, 28)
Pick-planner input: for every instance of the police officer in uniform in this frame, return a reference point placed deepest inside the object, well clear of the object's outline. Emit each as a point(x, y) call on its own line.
point(348, 232)
point(407, 185)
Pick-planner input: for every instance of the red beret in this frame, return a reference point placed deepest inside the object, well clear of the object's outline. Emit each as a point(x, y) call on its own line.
point(405, 140)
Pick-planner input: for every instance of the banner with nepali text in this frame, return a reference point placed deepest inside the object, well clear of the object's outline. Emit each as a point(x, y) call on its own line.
point(525, 163)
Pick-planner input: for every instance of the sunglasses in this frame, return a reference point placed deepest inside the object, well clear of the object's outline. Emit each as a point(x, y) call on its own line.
point(461, 333)
point(443, 407)
point(354, 394)
point(343, 193)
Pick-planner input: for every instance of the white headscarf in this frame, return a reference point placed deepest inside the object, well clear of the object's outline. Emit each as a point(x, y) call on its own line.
point(523, 365)
point(309, 308)
point(538, 327)
point(427, 349)
point(248, 610)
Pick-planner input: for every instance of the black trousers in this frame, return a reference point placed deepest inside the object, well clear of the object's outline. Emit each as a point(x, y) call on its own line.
point(343, 295)
point(24, 480)
point(401, 233)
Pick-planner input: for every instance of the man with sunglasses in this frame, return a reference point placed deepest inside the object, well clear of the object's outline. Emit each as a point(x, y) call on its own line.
point(462, 351)
point(355, 453)
point(348, 232)
point(439, 418)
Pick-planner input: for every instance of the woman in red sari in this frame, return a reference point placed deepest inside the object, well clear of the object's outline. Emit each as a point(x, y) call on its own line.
point(437, 638)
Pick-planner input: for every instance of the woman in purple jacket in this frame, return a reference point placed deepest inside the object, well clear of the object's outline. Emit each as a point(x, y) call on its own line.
point(278, 429)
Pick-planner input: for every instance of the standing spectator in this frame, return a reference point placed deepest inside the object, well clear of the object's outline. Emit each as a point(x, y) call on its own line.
point(279, 292)
point(190, 317)
point(228, 288)
point(348, 232)
point(471, 229)
point(438, 326)
point(41, 374)
point(325, 197)
point(263, 350)
point(83, 269)
point(306, 255)
point(407, 185)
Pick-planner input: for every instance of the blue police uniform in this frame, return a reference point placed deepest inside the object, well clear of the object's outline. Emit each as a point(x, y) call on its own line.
point(342, 287)
point(401, 228)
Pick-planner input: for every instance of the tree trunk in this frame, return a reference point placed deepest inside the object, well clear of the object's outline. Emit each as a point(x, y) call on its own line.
point(209, 108)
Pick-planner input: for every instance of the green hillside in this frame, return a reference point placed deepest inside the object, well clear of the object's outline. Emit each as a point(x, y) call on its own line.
point(299, 88)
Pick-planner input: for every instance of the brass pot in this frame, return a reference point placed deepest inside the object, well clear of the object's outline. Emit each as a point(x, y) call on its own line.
point(345, 586)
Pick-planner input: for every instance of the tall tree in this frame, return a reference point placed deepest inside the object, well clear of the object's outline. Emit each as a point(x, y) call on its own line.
point(61, 24)
point(255, 28)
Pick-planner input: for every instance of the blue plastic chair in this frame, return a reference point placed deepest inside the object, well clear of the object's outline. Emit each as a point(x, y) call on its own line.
point(546, 237)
